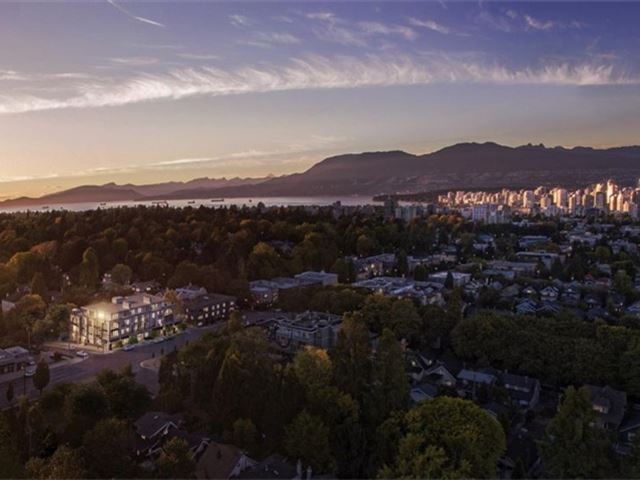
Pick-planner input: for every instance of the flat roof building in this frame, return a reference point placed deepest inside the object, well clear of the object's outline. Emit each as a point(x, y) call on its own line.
point(104, 323)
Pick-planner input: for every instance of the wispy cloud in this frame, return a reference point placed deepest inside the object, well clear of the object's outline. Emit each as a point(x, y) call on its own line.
point(430, 25)
point(377, 28)
point(132, 16)
point(278, 37)
point(199, 56)
point(539, 24)
point(315, 72)
point(334, 29)
point(238, 20)
point(134, 61)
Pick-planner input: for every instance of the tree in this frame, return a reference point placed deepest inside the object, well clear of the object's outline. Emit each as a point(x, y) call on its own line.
point(244, 434)
point(90, 268)
point(448, 281)
point(449, 438)
point(573, 446)
point(126, 397)
point(351, 356)
point(405, 321)
point(10, 465)
point(121, 274)
point(39, 285)
point(175, 460)
point(108, 449)
point(42, 376)
point(307, 440)
point(64, 463)
point(390, 383)
point(10, 393)
point(172, 297)
point(29, 310)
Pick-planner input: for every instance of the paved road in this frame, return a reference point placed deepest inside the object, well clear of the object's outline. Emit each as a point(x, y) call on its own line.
point(88, 368)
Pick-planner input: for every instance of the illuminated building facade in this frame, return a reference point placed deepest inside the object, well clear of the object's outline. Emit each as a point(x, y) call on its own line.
point(104, 323)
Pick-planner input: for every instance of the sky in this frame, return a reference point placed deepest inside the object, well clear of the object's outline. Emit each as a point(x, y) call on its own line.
point(142, 92)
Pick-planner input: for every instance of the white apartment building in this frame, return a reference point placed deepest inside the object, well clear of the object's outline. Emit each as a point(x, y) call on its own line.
point(104, 323)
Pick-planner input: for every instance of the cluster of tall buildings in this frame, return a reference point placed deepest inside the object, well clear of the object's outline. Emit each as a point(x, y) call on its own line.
point(495, 207)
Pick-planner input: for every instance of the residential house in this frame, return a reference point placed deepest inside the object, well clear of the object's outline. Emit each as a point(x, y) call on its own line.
point(470, 381)
point(549, 294)
point(275, 466)
point(610, 406)
point(524, 391)
point(423, 391)
point(526, 307)
point(633, 309)
point(222, 461)
point(630, 428)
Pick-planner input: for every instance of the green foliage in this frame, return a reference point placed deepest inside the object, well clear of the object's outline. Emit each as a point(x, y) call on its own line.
point(245, 434)
point(573, 446)
point(175, 460)
point(390, 389)
point(351, 356)
point(307, 439)
point(108, 449)
point(10, 464)
point(42, 376)
point(90, 268)
point(449, 438)
point(125, 397)
point(65, 463)
point(121, 274)
point(562, 350)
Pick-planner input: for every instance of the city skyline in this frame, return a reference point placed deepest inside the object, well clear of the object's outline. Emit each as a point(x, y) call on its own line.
point(146, 92)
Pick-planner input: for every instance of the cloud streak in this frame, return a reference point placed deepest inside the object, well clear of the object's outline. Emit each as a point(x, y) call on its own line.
point(132, 16)
point(430, 25)
point(311, 73)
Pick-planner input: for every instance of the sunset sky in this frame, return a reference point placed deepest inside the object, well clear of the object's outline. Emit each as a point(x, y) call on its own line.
point(141, 92)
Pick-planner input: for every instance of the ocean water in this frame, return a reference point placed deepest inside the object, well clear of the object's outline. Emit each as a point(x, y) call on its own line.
point(246, 201)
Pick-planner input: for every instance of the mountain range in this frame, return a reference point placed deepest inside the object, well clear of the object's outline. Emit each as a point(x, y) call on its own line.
point(460, 166)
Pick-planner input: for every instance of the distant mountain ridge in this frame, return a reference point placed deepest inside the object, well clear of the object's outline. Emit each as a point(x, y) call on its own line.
point(460, 166)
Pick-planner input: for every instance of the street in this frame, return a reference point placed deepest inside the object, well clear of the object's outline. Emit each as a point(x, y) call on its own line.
point(88, 368)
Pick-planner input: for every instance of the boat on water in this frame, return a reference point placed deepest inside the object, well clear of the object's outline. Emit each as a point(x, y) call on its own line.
point(217, 200)
point(103, 204)
point(45, 207)
point(191, 202)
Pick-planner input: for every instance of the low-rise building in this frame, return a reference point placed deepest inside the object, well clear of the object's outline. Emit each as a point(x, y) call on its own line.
point(263, 292)
point(459, 279)
point(189, 292)
point(309, 328)
point(317, 278)
point(209, 308)
point(104, 323)
point(13, 359)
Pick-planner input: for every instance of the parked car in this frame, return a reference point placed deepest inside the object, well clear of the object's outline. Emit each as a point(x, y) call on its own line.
point(128, 347)
point(159, 339)
point(82, 354)
point(29, 371)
